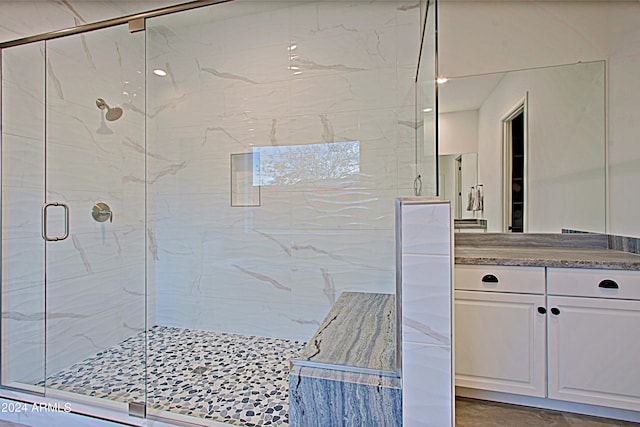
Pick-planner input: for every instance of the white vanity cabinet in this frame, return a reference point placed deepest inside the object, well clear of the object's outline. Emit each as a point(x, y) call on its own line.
point(594, 337)
point(567, 334)
point(500, 329)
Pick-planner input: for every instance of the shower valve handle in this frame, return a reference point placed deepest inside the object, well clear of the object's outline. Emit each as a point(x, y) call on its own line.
point(102, 212)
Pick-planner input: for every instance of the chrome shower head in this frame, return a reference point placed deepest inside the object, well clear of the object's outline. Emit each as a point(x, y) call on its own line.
point(113, 114)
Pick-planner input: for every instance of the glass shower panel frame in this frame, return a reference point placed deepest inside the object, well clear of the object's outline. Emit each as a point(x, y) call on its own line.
point(427, 149)
point(22, 140)
point(73, 285)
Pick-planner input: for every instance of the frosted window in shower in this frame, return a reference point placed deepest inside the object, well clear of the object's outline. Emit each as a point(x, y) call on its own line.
point(308, 163)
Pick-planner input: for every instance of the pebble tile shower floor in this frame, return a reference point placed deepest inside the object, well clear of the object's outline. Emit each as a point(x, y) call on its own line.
point(237, 379)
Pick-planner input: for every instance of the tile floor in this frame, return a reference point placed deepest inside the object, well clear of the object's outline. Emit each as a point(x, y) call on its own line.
point(243, 381)
point(480, 413)
point(236, 379)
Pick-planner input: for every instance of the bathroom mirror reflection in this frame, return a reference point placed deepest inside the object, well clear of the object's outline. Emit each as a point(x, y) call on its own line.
point(563, 164)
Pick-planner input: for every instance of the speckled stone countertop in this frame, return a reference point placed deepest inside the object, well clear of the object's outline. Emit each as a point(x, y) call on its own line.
point(547, 257)
point(359, 332)
point(542, 250)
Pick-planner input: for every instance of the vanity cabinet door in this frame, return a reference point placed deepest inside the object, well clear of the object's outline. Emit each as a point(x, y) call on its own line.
point(594, 351)
point(500, 342)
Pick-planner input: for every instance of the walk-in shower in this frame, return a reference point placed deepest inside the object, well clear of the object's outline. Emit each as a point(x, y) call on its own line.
point(245, 190)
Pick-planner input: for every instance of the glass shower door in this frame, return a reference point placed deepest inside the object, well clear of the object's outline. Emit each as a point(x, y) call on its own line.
point(93, 218)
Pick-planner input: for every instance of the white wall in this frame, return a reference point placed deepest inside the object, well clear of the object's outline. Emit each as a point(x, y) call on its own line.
point(565, 154)
point(624, 128)
point(501, 36)
point(458, 132)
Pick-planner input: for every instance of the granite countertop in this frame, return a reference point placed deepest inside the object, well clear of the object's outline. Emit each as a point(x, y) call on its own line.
point(547, 257)
point(358, 334)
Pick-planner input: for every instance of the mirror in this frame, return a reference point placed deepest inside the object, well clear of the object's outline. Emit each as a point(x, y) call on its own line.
point(539, 135)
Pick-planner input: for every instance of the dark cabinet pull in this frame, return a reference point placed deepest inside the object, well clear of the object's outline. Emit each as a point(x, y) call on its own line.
point(542, 310)
point(489, 278)
point(608, 284)
point(555, 311)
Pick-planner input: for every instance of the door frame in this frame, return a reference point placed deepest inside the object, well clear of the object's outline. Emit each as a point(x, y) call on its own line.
point(521, 106)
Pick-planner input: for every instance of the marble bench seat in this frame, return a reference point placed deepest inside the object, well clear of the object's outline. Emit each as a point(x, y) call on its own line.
point(347, 375)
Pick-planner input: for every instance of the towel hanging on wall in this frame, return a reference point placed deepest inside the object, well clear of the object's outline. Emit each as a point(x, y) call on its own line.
point(478, 198)
point(470, 198)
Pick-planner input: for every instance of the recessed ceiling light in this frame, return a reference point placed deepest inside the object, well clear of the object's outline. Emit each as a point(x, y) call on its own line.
point(428, 110)
point(159, 72)
point(441, 80)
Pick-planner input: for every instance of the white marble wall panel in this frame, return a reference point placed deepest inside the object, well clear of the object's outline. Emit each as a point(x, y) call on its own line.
point(339, 92)
point(86, 315)
point(426, 396)
point(269, 24)
point(425, 231)
point(23, 89)
point(21, 217)
point(23, 262)
point(23, 331)
point(348, 209)
point(423, 292)
point(230, 66)
point(426, 305)
point(322, 126)
point(405, 92)
point(294, 269)
point(307, 73)
point(253, 105)
point(326, 19)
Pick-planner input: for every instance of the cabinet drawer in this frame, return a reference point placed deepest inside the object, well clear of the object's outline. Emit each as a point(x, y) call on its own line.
point(594, 283)
point(529, 280)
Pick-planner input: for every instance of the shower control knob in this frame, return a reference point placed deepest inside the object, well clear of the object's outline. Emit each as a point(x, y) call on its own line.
point(102, 212)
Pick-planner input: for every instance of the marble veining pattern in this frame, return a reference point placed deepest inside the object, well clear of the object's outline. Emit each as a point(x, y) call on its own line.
point(347, 374)
point(529, 240)
point(358, 332)
point(326, 397)
point(236, 379)
point(625, 244)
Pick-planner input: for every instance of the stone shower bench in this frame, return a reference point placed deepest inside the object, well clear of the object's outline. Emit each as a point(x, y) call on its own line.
point(348, 375)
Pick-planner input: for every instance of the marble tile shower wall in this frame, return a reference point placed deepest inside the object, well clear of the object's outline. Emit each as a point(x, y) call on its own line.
point(95, 278)
point(300, 74)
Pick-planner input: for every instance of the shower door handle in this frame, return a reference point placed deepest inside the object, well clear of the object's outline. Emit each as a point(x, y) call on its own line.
point(45, 236)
